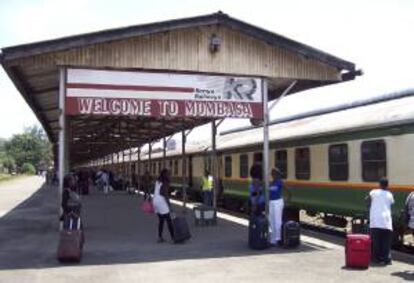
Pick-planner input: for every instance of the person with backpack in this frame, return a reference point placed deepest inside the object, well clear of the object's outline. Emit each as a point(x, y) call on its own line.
point(71, 203)
point(380, 222)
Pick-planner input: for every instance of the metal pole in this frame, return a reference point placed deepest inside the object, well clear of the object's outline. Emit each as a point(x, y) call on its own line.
point(139, 168)
point(265, 144)
point(149, 158)
point(183, 167)
point(130, 165)
point(214, 162)
point(62, 133)
point(164, 152)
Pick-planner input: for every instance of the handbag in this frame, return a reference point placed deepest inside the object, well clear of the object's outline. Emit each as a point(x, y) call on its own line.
point(147, 207)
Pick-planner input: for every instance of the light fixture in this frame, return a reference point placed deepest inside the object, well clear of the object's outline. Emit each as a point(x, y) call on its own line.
point(215, 43)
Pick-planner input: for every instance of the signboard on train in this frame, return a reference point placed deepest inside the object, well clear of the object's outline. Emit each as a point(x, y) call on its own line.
point(109, 92)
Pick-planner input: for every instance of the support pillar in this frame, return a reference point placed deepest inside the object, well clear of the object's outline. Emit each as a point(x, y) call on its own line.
point(214, 162)
point(265, 145)
point(183, 167)
point(164, 152)
point(62, 134)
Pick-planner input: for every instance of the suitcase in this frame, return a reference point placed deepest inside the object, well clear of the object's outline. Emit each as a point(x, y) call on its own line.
point(71, 243)
point(181, 229)
point(357, 250)
point(291, 234)
point(258, 232)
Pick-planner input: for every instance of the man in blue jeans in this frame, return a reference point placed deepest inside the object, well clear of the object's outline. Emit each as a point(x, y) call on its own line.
point(380, 222)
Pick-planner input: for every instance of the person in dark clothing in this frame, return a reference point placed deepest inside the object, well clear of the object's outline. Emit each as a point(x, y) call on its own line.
point(256, 196)
point(70, 198)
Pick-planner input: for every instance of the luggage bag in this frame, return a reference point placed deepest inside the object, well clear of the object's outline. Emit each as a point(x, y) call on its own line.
point(258, 232)
point(357, 250)
point(181, 229)
point(70, 244)
point(291, 234)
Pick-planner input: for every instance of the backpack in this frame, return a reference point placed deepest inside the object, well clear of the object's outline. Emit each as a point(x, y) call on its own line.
point(74, 203)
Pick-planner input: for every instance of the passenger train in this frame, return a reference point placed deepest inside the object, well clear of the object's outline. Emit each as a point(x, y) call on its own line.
point(330, 160)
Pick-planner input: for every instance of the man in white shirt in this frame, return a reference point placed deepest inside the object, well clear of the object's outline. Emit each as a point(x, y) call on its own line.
point(380, 222)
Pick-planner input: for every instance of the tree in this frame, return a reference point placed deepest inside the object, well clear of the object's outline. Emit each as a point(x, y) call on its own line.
point(30, 147)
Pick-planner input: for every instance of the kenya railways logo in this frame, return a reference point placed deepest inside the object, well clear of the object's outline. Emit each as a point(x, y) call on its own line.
point(239, 89)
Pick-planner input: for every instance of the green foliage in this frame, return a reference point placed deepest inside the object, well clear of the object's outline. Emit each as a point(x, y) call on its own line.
point(9, 163)
point(32, 146)
point(28, 168)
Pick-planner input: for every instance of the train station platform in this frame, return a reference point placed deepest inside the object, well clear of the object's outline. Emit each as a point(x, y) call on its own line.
point(121, 246)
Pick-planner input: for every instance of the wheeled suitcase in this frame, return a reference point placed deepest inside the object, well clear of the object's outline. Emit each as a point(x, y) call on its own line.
point(70, 244)
point(258, 232)
point(357, 250)
point(181, 229)
point(291, 234)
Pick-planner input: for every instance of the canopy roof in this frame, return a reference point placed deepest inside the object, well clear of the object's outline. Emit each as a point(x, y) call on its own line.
point(180, 45)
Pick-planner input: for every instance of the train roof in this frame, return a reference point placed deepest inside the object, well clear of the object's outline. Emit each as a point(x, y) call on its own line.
point(395, 110)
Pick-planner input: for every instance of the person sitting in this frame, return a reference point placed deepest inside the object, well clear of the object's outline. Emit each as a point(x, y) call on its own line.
point(161, 203)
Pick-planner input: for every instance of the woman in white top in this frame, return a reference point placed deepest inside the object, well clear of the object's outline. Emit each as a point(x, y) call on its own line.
point(161, 204)
point(380, 222)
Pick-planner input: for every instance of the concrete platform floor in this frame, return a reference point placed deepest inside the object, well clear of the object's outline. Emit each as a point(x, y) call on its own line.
point(121, 247)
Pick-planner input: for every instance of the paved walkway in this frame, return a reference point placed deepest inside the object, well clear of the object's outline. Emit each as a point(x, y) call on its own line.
point(121, 247)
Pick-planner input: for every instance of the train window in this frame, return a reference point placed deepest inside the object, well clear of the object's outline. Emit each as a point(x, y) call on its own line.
point(227, 166)
point(281, 162)
point(302, 163)
point(244, 165)
point(374, 160)
point(171, 165)
point(176, 167)
point(338, 162)
point(258, 157)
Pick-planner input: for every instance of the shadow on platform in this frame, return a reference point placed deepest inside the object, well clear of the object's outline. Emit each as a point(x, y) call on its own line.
point(116, 232)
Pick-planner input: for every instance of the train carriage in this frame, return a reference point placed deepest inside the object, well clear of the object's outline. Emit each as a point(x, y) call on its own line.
point(329, 162)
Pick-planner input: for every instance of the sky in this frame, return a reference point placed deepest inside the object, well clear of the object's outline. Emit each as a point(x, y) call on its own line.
point(376, 35)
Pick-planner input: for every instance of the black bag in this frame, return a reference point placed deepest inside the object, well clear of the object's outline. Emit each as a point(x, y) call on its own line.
point(291, 234)
point(258, 232)
point(181, 229)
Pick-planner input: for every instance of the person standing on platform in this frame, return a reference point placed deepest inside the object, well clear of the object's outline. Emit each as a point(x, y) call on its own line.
point(275, 206)
point(207, 188)
point(380, 222)
point(146, 185)
point(162, 206)
point(257, 202)
point(409, 212)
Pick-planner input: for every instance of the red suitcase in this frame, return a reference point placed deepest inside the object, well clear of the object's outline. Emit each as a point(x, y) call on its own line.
point(358, 250)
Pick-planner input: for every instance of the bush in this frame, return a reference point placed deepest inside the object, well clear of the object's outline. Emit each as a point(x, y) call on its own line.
point(28, 168)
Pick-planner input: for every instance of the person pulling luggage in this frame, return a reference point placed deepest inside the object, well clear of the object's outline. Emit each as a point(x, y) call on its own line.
point(380, 222)
point(275, 206)
point(161, 203)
